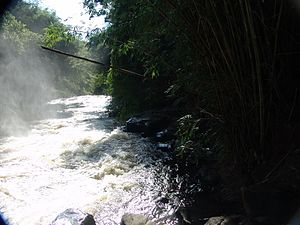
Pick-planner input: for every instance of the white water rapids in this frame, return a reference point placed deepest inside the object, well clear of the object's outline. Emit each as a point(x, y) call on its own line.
point(79, 159)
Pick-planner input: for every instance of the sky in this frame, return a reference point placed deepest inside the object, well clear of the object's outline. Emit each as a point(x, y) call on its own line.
point(72, 13)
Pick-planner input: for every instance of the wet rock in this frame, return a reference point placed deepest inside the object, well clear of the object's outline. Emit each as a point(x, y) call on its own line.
point(165, 147)
point(74, 217)
point(226, 220)
point(183, 216)
point(164, 200)
point(137, 125)
point(165, 135)
point(206, 204)
point(156, 123)
point(148, 123)
point(135, 219)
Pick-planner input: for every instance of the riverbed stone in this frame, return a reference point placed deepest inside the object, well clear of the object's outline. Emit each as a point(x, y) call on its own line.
point(136, 124)
point(226, 220)
point(135, 219)
point(74, 217)
point(148, 123)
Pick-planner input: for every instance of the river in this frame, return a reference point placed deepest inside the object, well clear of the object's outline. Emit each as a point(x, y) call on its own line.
point(79, 158)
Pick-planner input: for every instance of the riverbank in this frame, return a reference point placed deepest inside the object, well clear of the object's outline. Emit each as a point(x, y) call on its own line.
point(210, 202)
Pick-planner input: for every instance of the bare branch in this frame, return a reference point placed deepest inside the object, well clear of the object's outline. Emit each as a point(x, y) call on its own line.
point(93, 61)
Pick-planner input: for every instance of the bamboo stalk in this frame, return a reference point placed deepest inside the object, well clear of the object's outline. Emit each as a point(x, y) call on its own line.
point(93, 61)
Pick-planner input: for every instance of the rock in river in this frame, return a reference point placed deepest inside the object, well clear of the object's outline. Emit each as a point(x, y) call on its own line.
point(135, 219)
point(147, 123)
point(226, 220)
point(74, 217)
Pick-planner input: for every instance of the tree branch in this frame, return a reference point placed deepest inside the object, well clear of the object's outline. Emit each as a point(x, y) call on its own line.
point(93, 61)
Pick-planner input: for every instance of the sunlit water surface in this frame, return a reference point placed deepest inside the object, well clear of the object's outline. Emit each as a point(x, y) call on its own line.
point(80, 159)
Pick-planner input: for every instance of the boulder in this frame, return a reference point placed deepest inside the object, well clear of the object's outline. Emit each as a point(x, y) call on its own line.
point(148, 123)
point(135, 219)
point(166, 134)
point(226, 220)
point(165, 147)
point(136, 124)
point(74, 217)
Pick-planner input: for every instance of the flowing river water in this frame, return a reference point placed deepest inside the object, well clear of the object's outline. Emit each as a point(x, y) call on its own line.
point(80, 159)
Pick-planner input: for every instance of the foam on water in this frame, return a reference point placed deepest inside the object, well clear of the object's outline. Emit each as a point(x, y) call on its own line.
point(79, 159)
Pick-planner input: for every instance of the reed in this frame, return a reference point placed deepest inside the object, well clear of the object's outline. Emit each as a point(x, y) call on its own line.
point(239, 42)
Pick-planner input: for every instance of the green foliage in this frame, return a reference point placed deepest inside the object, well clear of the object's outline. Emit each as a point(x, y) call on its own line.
point(239, 53)
point(100, 85)
point(227, 60)
point(135, 44)
point(56, 33)
point(17, 34)
point(35, 18)
point(76, 76)
point(197, 140)
point(26, 27)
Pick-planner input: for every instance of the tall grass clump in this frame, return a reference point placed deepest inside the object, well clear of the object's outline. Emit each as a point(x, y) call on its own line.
point(248, 52)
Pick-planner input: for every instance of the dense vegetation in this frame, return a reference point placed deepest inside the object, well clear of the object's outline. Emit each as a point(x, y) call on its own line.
point(31, 76)
point(231, 65)
point(26, 27)
point(229, 68)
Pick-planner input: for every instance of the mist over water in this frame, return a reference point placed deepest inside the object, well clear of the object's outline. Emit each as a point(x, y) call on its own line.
point(25, 87)
point(81, 159)
point(67, 153)
point(51, 148)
